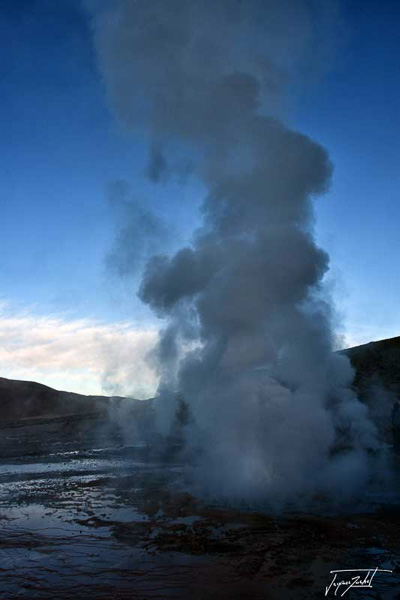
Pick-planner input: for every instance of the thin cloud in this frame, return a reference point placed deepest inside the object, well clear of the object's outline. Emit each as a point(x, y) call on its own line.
point(82, 356)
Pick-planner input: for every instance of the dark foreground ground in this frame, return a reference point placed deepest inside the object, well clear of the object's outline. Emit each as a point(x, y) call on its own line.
point(118, 523)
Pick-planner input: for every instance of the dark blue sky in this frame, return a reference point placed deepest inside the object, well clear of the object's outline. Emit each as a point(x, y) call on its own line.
point(61, 147)
point(354, 112)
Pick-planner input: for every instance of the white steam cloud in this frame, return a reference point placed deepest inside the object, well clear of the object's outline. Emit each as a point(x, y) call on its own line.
point(275, 417)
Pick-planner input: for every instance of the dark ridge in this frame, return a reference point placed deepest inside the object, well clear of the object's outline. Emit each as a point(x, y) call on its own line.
point(28, 399)
point(37, 420)
point(376, 364)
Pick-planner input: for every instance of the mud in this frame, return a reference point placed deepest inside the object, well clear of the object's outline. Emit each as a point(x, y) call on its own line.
point(114, 523)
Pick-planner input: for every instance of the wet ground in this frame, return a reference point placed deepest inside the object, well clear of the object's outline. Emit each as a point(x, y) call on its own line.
point(114, 523)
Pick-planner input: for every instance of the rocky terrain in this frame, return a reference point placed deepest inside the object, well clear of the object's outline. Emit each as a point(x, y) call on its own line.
point(26, 399)
point(36, 419)
point(377, 379)
point(376, 364)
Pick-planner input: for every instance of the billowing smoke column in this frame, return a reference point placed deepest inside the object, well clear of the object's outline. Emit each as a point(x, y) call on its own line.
point(248, 339)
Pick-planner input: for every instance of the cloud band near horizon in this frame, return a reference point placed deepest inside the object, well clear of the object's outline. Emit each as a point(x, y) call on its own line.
point(78, 355)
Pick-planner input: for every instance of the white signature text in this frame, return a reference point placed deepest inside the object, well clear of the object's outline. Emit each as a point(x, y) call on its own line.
point(343, 580)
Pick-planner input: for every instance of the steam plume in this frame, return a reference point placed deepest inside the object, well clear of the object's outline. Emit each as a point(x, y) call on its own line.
point(275, 415)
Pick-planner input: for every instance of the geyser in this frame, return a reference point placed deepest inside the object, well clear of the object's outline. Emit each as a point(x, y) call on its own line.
point(248, 339)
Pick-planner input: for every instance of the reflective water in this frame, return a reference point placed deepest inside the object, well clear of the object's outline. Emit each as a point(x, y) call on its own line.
point(103, 524)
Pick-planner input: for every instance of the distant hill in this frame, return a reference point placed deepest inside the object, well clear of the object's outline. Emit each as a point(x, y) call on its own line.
point(36, 419)
point(377, 379)
point(376, 364)
point(27, 399)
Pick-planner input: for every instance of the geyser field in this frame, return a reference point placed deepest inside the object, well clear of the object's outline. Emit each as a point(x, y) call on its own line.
point(266, 460)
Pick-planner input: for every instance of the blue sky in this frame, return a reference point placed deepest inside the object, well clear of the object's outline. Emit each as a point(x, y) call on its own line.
point(61, 147)
point(354, 112)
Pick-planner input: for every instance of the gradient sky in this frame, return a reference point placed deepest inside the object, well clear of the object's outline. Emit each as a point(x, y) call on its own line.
point(61, 149)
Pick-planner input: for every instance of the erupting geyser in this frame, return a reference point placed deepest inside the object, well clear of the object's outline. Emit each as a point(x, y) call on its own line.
point(275, 417)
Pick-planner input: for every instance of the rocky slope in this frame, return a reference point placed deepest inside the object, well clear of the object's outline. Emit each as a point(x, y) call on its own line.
point(25, 399)
point(376, 364)
point(36, 419)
